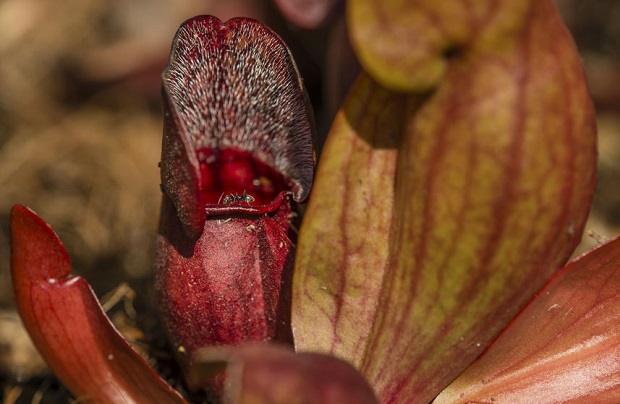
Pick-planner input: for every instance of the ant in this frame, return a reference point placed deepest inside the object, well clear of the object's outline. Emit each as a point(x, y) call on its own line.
point(230, 198)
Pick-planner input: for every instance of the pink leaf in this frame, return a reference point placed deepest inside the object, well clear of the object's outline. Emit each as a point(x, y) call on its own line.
point(563, 347)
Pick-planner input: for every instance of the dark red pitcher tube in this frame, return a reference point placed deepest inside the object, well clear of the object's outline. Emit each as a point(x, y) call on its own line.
point(237, 157)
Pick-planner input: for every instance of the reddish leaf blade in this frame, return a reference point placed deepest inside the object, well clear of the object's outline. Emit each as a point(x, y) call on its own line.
point(563, 347)
point(268, 373)
point(69, 327)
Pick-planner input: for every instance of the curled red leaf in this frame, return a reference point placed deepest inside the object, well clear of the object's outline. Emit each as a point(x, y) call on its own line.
point(68, 326)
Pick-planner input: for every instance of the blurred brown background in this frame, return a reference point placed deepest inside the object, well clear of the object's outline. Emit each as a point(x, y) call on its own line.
point(80, 136)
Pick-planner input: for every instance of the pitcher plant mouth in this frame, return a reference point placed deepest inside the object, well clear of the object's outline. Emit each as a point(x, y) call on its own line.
point(238, 125)
point(234, 181)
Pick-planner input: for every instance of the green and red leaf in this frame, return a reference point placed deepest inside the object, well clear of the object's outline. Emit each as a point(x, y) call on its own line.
point(479, 200)
point(344, 247)
point(408, 45)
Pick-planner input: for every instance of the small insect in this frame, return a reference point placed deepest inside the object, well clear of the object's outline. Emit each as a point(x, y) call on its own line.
point(230, 198)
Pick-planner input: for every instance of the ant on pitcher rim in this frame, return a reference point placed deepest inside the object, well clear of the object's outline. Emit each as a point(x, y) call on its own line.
point(231, 198)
